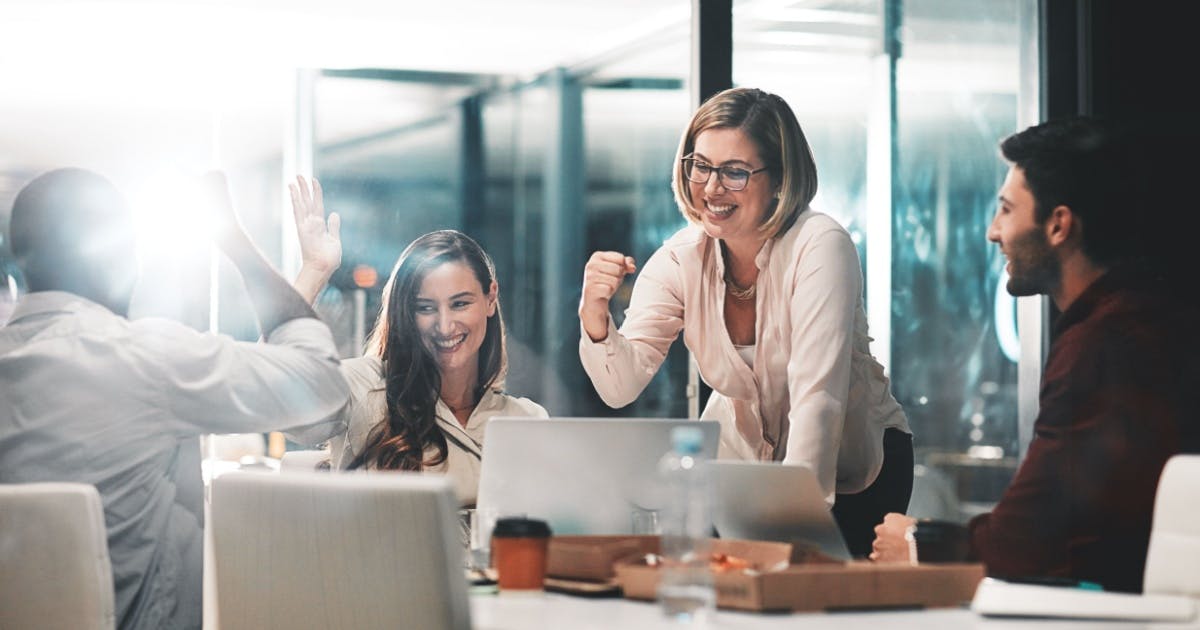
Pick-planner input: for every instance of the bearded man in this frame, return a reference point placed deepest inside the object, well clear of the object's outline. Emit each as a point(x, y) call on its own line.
point(1118, 389)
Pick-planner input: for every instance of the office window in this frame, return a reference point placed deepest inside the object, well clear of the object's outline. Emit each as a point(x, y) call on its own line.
point(540, 171)
point(905, 136)
point(386, 151)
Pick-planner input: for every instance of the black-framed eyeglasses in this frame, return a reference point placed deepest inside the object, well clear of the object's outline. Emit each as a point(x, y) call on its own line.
point(730, 177)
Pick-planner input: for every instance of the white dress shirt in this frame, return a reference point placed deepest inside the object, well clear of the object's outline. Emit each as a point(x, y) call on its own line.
point(348, 430)
point(815, 396)
point(91, 397)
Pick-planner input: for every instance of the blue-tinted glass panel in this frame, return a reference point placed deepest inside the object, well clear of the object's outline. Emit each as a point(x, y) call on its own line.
point(954, 93)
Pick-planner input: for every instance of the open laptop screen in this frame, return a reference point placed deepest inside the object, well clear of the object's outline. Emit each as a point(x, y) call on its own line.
point(581, 475)
point(771, 501)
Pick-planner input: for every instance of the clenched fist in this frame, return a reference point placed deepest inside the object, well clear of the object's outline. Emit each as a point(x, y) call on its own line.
point(602, 276)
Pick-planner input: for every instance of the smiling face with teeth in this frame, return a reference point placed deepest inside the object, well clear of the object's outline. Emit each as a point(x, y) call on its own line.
point(451, 311)
point(748, 129)
point(734, 216)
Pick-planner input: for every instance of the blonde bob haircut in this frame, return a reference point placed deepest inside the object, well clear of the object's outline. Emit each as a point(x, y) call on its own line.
point(770, 124)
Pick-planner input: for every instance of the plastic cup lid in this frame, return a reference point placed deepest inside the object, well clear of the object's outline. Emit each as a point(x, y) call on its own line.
point(521, 527)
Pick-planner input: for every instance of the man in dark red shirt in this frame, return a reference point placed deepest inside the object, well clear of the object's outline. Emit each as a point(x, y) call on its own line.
point(1118, 394)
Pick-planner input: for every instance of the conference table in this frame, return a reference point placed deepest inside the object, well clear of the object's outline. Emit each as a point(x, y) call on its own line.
point(552, 611)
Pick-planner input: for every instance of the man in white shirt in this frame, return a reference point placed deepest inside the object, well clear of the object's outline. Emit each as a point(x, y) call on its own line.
point(90, 396)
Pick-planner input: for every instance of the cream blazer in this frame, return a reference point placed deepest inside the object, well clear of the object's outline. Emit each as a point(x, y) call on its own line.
point(815, 396)
point(348, 430)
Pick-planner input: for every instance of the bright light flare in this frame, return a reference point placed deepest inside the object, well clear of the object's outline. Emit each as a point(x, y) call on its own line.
point(171, 218)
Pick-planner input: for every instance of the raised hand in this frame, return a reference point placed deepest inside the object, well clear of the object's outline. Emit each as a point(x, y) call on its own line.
point(320, 240)
point(227, 230)
point(602, 276)
point(273, 300)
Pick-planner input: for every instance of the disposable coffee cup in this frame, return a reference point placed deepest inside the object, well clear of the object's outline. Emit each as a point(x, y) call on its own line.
point(940, 541)
point(519, 553)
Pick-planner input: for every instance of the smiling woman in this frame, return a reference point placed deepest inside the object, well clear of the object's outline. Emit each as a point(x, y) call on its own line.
point(453, 312)
point(433, 372)
point(767, 293)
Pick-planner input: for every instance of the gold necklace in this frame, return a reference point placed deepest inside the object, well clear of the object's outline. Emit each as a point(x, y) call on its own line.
point(741, 294)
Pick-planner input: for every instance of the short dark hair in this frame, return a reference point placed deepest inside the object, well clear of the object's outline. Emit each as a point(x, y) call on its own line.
point(1079, 163)
point(63, 223)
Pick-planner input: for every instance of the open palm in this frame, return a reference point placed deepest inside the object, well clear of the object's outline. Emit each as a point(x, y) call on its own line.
point(320, 240)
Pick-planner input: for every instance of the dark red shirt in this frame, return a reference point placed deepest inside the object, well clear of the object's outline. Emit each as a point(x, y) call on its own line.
point(1119, 397)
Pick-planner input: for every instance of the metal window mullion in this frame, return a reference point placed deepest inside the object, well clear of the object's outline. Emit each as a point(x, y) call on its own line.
point(562, 224)
point(711, 72)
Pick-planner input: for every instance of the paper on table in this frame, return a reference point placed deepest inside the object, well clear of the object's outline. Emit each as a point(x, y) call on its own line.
point(1008, 599)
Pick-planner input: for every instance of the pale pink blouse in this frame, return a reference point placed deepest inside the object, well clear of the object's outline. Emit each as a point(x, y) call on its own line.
point(815, 396)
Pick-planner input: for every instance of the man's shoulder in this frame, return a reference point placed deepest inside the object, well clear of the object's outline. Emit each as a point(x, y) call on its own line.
point(1133, 314)
point(66, 322)
point(1126, 333)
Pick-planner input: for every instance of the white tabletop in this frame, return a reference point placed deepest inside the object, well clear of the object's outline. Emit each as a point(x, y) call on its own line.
point(551, 611)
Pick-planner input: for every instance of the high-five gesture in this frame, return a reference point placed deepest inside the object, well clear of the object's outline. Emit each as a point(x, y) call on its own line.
point(273, 300)
point(227, 230)
point(320, 239)
point(602, 276)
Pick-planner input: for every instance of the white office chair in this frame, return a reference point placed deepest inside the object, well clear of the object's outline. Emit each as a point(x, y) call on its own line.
point(301, 461)
point(1174, 554)
point(314, 550)
point(1171, 583)
point(54, 566)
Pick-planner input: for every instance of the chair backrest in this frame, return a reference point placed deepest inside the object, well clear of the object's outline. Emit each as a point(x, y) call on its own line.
point(352, 550)
point(1174, 551)
point(54, 566)
point(301, 461)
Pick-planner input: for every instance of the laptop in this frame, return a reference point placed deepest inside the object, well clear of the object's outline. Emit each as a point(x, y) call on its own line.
point(771, 501)
point(580, 475)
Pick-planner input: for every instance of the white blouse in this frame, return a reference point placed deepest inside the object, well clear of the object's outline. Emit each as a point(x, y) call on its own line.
point(348, 430)
point(815, 396)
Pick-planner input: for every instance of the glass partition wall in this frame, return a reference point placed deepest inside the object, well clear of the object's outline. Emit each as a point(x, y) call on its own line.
point(904, 104)
point(541, 172)
point(954, 341)
point(544, 171)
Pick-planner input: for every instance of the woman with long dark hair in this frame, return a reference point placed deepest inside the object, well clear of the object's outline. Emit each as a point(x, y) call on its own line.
point(433, 372)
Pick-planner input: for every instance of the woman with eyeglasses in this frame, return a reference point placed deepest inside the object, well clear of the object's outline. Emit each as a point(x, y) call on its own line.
point(768, 295)
point(432, 376)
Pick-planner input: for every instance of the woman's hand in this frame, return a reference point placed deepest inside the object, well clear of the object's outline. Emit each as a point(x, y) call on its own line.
point(892, 543)
point(320, 241)
point(602, 276)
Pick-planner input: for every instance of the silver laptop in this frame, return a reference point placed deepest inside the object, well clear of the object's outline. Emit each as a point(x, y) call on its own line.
point(581, 475)
point(770, 501)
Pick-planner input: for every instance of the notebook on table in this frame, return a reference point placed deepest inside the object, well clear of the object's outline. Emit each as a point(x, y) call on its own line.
point(1172, 588)
point(581, 475)
point(775, 502)
point(999, 598)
